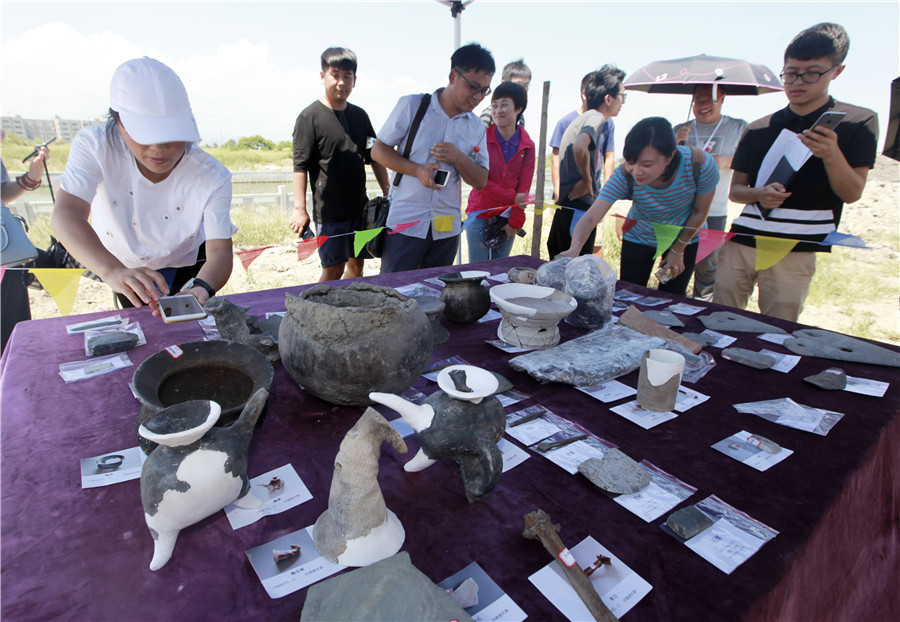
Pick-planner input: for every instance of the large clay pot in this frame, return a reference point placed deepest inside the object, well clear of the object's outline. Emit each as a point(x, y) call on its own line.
point(342, 343)
point(466, 299)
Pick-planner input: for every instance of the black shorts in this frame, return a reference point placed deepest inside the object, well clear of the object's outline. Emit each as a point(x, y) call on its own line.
point(338, 248)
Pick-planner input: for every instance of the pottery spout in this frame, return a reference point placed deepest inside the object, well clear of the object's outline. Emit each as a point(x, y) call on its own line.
point(418, 417)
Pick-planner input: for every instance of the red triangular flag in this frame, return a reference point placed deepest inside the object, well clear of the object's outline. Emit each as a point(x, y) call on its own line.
point(305, 248)
point(710, 240)
point(247, 256)
point(623, 224)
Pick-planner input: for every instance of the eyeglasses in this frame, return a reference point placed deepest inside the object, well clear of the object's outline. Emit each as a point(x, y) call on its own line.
point(484, 91)
point(624, 96)
point(809, 77)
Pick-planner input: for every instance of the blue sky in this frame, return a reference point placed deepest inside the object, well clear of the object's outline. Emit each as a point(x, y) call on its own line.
point(250, 67)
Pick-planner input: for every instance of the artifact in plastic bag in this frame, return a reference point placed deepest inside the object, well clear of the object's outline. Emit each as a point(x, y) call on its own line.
point(634, 319)
point(358, 529)
point(590, 280)
point(616, 472)
point(463, 421)
point(342, 343)
point(196, 470)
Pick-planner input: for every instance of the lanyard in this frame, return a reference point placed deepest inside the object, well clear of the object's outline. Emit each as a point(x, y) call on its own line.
point(715, 129)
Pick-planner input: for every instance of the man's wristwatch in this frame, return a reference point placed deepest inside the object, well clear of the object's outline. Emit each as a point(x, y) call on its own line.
point(195, 282)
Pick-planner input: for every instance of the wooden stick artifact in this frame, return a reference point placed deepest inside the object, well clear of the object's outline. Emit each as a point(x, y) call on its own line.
point(539, 527)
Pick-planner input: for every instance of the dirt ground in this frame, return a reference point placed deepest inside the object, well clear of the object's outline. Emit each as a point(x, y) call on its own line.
point(875, 218)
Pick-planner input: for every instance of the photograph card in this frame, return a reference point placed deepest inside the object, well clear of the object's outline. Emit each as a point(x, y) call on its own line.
point(493, 604)
point(279, 490)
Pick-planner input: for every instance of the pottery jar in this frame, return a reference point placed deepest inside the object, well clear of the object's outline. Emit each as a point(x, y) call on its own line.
point(465, 296)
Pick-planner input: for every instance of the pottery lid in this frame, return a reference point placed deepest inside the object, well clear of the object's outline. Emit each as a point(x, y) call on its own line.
point(181, 424)
point(465, 275)
point(481, 382)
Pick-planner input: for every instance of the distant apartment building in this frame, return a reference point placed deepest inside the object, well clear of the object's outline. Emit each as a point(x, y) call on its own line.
point(42, 130)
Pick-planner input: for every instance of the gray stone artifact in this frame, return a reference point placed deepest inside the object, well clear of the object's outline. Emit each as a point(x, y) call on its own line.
point(659, 380)
point(393, 590)
point(358, 529)
point(433, 307)
point(688, 522)
point(110, 343)
point(465, 295)
point(703, 340)
point(615, 473)
point(531, 314)
point(341, 343)
point(465, 594)
point(590, 280)
point(197, 469)
point(521, 275)
point(737, 323)
point(828, 345)
point(666, 318)
point(234, 324)
point(225, 372)
point(756, 360)
point(588, 360)
point(461, 424)
point(832, 379)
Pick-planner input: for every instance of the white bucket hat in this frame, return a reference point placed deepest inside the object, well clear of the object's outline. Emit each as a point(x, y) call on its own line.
point(152, 103)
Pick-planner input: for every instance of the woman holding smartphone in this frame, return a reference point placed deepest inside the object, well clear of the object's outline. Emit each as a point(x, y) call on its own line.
point(159, 206)
point(490, 232)
point(658, 177)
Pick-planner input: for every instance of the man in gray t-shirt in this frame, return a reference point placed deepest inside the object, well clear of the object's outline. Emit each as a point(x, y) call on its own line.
point(718, 135)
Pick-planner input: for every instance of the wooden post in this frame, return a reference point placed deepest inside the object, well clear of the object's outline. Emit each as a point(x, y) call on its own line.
point(538, 223)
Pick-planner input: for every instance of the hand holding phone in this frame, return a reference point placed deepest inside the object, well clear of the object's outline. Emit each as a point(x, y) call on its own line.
point(441, 176)
point(830, 119)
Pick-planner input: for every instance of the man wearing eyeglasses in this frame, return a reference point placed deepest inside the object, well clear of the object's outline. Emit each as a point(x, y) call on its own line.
point(451, 138)
point(810, 207)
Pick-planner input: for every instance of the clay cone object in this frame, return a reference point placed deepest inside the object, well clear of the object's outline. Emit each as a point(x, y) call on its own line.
point(736, 323)
point(357, 529)
point(388, 591)
point(827, 345)
point(635, 320)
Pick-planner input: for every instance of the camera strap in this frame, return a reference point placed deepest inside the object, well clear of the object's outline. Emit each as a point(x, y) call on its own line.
point(413, 129)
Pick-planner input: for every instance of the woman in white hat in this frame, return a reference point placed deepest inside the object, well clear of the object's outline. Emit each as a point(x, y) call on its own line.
point(159, 206)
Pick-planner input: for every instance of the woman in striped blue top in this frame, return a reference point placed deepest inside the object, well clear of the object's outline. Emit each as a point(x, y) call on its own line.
point(659, 178)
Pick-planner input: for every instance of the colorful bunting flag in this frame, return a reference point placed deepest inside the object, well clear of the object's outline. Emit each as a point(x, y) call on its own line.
point(769, 251)
point(305, 248)
point(843, 239)
point(249, 255)
point(665, 235)
point(710, 240)
point(361, 237)
point(623, 225)
point(403, 227)
point(444, 224)
point(61, 284)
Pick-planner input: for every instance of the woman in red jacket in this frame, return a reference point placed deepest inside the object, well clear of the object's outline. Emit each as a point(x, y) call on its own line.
point(494, 213)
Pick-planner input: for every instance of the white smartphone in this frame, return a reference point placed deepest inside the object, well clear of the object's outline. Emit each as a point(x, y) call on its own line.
point(441, 176)
point(180, 308)
point(829, 119)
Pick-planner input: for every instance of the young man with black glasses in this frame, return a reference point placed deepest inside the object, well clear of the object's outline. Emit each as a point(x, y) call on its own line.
point(450, 138)
point(810, 208)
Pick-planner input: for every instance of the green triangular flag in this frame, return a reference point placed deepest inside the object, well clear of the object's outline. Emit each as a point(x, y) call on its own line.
point(361, 237)
point(665, 235)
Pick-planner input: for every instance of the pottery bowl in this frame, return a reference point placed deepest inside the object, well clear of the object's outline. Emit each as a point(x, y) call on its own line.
point(225, 372)
point(531, 313)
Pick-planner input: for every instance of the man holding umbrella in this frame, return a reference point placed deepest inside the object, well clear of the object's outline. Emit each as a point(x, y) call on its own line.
point(718, 135)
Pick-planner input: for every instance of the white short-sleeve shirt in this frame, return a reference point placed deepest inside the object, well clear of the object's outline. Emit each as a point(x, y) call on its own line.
point(411, 201)
point(146, 224)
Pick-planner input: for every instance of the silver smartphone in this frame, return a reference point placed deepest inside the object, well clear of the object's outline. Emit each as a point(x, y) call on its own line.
point(441, 176)
point(829, 119)
point(180, 308)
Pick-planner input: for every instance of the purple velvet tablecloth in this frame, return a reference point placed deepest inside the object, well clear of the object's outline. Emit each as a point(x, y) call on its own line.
point(76, 554)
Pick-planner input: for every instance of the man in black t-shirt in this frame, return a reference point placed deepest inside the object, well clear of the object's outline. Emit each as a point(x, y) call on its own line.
point(332, 144)
point(809, 208)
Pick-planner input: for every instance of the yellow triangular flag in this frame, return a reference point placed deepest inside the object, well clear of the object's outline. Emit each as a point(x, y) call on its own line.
point(444, 223)
point(361, 237)
point(665, 235)
point(769, 251)
point(61, 284)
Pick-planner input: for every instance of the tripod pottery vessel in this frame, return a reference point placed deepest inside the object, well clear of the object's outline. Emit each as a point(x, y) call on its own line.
point(465, 295)
point(341, 343)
